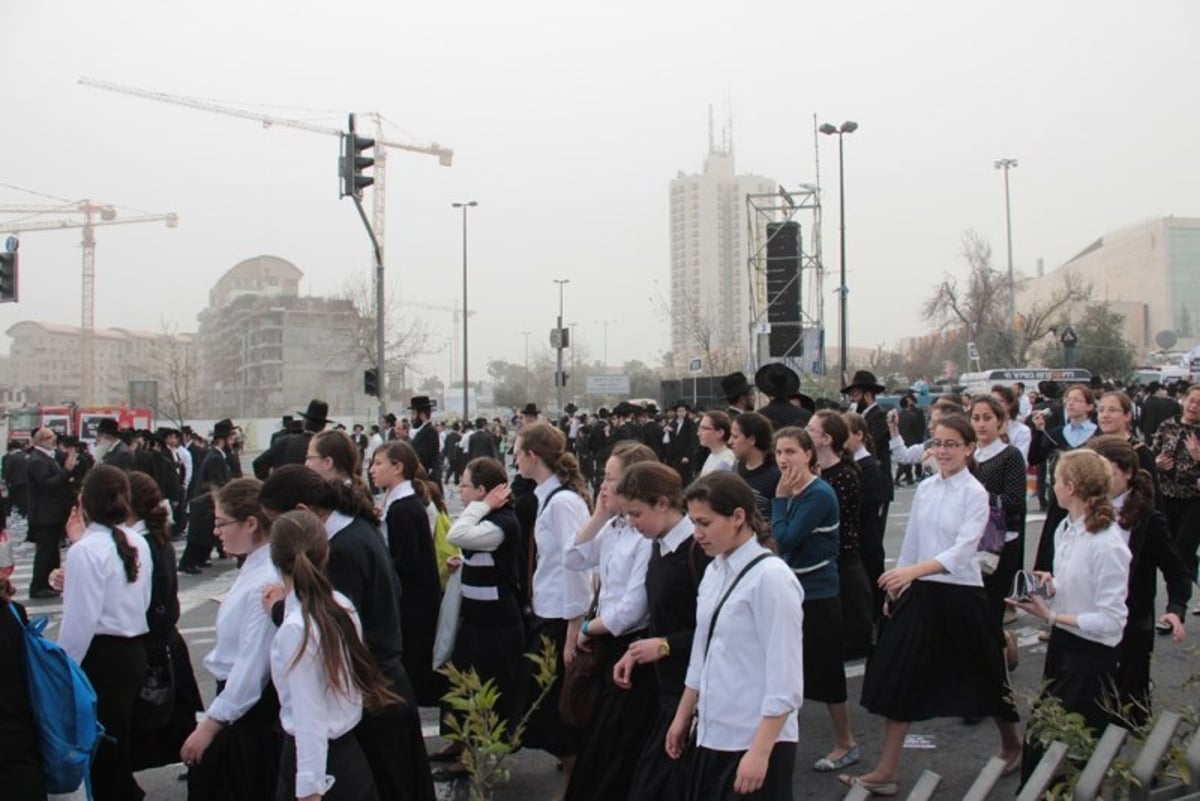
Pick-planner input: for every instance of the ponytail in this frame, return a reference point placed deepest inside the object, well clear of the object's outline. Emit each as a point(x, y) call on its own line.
point(128, 553)
point(1098, 514)
point(300, 549)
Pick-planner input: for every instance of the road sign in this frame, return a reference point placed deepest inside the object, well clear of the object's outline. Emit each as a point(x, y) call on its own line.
point(608, 385)
point(11, 244)
point(696, 366)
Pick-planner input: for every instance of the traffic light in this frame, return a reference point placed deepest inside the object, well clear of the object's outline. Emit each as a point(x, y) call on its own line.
point(371, 382)
point(560, 378)
point(8, 277)
point(351, 164)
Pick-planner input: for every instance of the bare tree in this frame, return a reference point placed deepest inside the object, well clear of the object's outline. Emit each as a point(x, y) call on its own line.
point(171, 365)
point(980, 307)
point(700, 323)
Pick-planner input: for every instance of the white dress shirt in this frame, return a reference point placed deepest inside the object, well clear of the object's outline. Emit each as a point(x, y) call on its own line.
point(725, 460)
point(97, 596)
point(946, 522)
point(472, 533)
point(558, 593)
point(906, 454)
point(1091, 580)
point(242, 656)
point(622, 555)
point(1020, 437)
point(676, 536)
point(184, 457)
point(309, 708)
point(752, 669)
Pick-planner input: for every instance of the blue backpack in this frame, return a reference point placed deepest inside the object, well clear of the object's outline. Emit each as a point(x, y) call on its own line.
point(64, 710)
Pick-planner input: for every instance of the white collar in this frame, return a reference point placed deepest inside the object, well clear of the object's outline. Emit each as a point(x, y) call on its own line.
point(401, 490)
point(543, 490)
point(676, 536)
point(988, 451)
point(46, 451)
point(861, 453)
point(1119, 501)
point(260, 554)
point(336, 522)
point(137, 527)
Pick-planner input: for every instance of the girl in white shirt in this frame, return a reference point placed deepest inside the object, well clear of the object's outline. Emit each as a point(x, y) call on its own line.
point(938, 654)
point(322, 671)
point(234, 751)
point(610, 546)
point(713, 432)
point(104, 619)
point(560, 596)
point(1088, 588)
point(744, 681)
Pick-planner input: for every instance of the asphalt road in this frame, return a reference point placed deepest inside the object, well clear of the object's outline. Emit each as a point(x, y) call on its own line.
point(949, 747)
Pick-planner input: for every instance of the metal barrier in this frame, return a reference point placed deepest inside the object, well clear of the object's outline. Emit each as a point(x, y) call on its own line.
point(1043, 775)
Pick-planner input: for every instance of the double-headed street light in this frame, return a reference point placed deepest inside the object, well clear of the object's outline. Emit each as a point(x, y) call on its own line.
point(466, 385)
point(843, 290)
point(1006, 165)
point(559, 381)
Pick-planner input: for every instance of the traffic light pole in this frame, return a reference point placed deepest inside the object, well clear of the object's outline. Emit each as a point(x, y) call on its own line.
point(380, 375)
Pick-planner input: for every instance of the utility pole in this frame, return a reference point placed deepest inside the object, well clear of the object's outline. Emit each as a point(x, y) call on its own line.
point(843, 290)
point(558, 338)
point(526, 335)
point(1006, 165)
point(466, 391)
point(574, 361)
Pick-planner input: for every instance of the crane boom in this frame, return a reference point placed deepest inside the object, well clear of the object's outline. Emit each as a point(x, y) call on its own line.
point(172, 221)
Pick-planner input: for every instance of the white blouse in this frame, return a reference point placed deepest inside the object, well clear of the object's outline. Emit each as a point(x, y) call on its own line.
point(622, 555)
point(946, 522)
point(1020, 437)
point(242, 656)
point(752, 669)
point(98, 599)
point(1091, 580)
point(309, 708)
point(558, 593)
point(725, 460)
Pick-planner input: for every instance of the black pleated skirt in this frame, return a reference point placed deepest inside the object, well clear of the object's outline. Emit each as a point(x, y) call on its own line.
point(546, 730)
point(1081, 673)
point(657, 777)
point(242, 763)
point(345, 763)
point(938, 656)
point(713, 773)
point(858, 623)
point(394, 749)
point(116, 667)
point(617, 735)
point(494, 653)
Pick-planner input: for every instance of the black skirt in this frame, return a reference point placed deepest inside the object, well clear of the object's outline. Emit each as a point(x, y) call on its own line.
point(617, 735)
point(824, 669)
point(858, 622)
point(546, 731)
point(116, 667)
point(494, 653)
point(345, 763)
point(242, 763)
point(1133, 672)
point(394, 749)
point(1081, 674)
point(713, 774)
point(153, 749)
point(938, 656)
point(657, 777)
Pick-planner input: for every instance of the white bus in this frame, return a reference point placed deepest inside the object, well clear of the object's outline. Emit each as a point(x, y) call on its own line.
point(982, 382)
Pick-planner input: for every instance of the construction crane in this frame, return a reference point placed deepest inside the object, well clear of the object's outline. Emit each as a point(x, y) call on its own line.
point(94, 216)
point(379, 200)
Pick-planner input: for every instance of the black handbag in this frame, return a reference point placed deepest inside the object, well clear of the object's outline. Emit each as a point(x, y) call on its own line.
point(156, 697)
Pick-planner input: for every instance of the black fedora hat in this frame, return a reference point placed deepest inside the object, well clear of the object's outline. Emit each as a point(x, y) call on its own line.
point(570, 408)
point(624, 409)
point(735, 386)
point(530, 410)
point(317, 412)
point(864, 379)
point(108, 426)
point(222, 429)
point(420, 402)
point(806, 402)
point(777, 380)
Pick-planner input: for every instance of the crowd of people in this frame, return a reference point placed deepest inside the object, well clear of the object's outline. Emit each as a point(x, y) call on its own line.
point(700, 575)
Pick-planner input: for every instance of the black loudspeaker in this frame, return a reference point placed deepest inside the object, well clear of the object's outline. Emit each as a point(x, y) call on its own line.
point(783, 290)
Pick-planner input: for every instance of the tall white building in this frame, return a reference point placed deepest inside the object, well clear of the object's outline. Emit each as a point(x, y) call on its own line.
point(710, 248)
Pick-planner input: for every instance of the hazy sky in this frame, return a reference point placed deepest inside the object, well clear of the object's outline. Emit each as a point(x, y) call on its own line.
point(568, 122)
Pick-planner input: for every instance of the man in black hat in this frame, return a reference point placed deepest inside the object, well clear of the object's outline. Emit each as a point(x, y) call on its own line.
point(52, 488)
point(620, 424)
point(213, 474)
point(861, 392)
point(780, 383)
point(285, 428)
point(738, 392)
point(529, 414)
point(480, 442)
point(293, 448)
point(684, 440)
point(424, 437)
point(1158, 405)
point(110, 448)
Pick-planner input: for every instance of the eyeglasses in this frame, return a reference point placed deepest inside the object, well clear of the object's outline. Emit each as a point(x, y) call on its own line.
point(704, 427)
point(222, 523)
point(945, 443)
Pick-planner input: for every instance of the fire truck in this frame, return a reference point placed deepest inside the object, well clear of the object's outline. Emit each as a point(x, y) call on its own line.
point(72, 419)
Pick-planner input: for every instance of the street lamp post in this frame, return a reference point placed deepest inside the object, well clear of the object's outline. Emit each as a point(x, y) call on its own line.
point(466, 385)
point(843, 290)
point(574, 360)
point(1006, 165)
point(605, 324)
point(526, 334)
point(558, 381)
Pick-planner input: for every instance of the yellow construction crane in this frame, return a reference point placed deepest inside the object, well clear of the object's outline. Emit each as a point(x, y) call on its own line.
point(94, 216)
point(379, 200)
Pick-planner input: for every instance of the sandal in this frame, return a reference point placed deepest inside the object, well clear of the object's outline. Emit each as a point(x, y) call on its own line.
point(874, 788)
point(827, 765)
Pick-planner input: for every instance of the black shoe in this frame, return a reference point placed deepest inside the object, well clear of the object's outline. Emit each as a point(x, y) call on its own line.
point(191, 570)
point(37, 595)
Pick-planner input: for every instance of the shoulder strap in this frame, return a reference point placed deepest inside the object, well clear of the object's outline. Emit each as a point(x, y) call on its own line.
point(712, 625)
point(553, 492)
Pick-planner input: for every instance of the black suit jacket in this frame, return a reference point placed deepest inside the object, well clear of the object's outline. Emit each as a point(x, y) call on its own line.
point(782, 413)
point(684, 441)
point(214, 471)
point(1153, 549)
point(289, 449)
point(881, 438)
point(51, 491)
point(120, 456)
point(427, 444)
